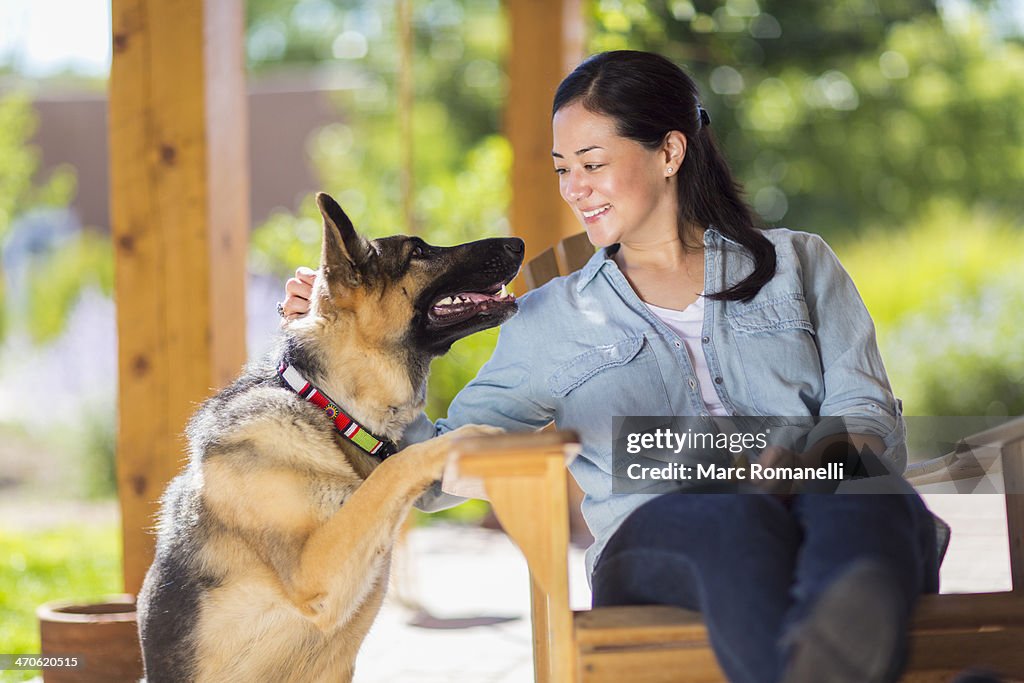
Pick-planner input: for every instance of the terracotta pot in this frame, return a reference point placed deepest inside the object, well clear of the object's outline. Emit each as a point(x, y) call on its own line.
point(103, 635)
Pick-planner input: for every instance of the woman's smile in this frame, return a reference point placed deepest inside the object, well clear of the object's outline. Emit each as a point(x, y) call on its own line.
point(594, 215)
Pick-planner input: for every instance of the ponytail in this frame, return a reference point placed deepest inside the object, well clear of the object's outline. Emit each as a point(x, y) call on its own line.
point(710, 196)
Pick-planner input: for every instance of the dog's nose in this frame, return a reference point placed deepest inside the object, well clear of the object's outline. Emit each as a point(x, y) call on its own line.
point(514, 246)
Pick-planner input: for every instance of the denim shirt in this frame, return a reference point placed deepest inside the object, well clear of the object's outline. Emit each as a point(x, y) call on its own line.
point(584, 348)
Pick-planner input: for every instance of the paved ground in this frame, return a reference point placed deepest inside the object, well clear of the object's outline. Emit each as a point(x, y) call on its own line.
point(462, 577)
point(458, 609)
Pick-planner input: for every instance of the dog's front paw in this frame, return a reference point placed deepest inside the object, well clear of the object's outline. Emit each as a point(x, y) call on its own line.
point(430, 458)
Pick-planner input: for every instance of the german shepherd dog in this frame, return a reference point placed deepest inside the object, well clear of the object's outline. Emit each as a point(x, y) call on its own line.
point(274, 544)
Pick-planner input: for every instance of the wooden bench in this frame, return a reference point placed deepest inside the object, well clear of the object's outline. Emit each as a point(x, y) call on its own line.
point(525, 478)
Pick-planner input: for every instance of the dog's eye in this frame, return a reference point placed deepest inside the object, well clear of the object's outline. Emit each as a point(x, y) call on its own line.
point(418, 252)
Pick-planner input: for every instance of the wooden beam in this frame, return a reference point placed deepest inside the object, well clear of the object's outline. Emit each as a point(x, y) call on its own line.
point(179, 213)
point(546, 42)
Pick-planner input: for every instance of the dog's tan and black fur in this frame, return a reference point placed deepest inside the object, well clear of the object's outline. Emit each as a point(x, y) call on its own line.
point(274, 543)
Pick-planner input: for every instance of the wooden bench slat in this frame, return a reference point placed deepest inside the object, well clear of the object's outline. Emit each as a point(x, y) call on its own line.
point(606, 627)
point(638, 625)
point(969, 611)
point(574, 252)
point(541, 268)
point(653, 665)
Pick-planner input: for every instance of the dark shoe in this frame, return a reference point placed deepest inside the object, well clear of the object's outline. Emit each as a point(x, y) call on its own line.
point(854, 634)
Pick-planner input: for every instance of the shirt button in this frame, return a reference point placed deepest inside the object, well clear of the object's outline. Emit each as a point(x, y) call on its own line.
point(678, 343)
point(693, 383)
point(705, 340)
point(718, 380)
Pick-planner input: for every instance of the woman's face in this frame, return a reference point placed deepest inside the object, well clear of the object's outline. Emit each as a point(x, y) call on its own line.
point(618, 189)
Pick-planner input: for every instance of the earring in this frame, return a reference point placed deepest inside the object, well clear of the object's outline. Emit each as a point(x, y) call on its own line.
point(668, 171)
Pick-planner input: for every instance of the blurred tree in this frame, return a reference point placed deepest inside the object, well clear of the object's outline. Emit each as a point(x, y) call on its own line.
point(20, 191)
point(844, 115)
point(457, 46)
point(946, 295)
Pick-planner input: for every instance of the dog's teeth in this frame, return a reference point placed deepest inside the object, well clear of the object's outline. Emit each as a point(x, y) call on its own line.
point(447, 301)
point(459, 300)
point(503, 292)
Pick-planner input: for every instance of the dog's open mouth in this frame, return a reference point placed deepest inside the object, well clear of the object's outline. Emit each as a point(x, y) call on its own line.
point(456, 308)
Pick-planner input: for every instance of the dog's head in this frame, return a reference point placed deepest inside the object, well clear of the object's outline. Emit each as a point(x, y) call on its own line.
point(401, 289)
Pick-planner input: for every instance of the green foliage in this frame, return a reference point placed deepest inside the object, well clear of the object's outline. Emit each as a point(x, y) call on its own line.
point(94, 447)
point(55, 279)
point(59, 278)
point(72, 562)
point(19, 161)
point(451, 372)
point(456, 44)
point(846, 114)
point(470, 512)
point(946, 296)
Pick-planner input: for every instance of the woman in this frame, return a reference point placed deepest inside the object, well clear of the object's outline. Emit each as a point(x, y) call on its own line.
point(689, 309)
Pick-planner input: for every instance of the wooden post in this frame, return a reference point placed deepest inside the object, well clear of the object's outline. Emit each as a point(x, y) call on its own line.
point(179, 213)
point(546, 42)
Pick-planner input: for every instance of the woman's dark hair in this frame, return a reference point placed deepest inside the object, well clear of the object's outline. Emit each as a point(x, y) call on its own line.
point(648, 97)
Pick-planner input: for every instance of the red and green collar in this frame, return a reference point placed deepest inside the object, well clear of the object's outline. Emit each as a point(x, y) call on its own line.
point(346, 426)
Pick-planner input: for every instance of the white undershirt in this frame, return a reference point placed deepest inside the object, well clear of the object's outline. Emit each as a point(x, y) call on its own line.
point(688, 325)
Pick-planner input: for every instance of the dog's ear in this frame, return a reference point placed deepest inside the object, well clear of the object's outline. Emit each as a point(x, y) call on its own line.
point(344, 251)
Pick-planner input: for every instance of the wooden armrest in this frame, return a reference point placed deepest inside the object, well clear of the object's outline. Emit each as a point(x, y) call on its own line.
point(513, 455)
point(955, 466)
point(983, 456)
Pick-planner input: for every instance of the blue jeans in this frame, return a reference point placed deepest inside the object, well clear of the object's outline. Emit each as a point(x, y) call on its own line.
point(754, 565)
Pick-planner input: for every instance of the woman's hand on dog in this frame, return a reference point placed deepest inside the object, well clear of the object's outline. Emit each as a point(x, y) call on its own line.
point(297, 293)
point(451, 480)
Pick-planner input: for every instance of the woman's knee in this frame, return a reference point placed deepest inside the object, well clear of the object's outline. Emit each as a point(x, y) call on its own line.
point(646, 576)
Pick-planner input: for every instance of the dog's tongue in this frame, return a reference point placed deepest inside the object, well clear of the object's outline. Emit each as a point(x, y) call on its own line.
point(477, 297)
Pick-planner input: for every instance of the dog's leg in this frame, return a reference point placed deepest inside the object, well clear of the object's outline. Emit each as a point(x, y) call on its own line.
point(337, 560)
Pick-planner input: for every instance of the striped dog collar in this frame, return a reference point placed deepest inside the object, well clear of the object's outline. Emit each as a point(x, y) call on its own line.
point(346, 426)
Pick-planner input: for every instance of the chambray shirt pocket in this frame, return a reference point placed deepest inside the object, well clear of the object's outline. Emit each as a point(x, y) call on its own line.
point(591, 362)
point(776, 345)
point(619, 378)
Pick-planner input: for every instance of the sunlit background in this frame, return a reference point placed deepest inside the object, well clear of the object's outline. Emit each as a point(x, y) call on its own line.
point(891, 127)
